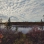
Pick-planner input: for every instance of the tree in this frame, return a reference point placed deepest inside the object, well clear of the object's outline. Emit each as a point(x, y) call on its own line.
point(8, 24)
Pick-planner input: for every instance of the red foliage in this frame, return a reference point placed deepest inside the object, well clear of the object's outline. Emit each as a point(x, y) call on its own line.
point(1, 36)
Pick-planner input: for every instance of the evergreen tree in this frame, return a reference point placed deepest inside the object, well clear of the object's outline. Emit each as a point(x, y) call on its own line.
point(8, 24)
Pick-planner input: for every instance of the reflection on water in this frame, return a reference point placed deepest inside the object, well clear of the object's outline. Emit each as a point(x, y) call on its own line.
point(22, 29)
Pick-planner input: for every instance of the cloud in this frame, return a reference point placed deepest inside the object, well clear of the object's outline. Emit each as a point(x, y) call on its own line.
point(22, 10)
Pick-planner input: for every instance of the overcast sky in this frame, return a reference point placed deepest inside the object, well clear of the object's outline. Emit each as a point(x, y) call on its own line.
point(22, 10)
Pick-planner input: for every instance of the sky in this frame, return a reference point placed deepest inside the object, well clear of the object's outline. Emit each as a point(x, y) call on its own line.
point(22, 10)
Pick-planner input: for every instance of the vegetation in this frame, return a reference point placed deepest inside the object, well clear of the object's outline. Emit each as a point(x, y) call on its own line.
point(8, 25)
point(34, 36)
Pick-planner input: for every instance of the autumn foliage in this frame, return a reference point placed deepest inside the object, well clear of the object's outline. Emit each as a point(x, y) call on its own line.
point(34, 36)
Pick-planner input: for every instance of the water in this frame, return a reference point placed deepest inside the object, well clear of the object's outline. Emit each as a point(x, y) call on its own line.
point(20, 29)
